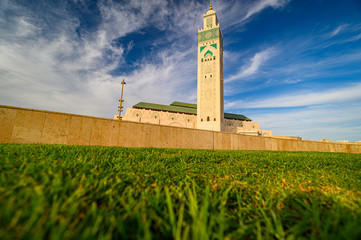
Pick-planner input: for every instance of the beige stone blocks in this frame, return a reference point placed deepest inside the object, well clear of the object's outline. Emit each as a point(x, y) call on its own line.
point(56, 128)
point(167, 137)
point(205, 139)
point(80, 129)
point(101, 132)
point(28, 126)
point(129, 134)
point(150, 135)
point(7, 120)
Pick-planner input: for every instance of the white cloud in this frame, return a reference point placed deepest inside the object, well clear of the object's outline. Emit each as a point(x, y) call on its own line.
point(344, 33)
point(25, 28)
point(63, 72)
point(254, 64)
point(333, 121)
point(299, 99)
point(45, 64)
point(237, 13)
point(258, 6)
point(338, 30)
point(292, 81)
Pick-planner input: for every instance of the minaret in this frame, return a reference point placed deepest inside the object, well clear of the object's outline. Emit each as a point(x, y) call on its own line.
point(210, 106)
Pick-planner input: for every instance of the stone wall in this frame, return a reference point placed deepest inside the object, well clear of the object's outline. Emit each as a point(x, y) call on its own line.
point(21, 125)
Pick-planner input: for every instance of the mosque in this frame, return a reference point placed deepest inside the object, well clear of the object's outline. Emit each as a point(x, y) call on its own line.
point(208, 113)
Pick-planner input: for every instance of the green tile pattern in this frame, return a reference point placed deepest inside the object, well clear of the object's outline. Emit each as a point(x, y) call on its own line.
point(208, 52)
point(214, 45)
point(208, 35)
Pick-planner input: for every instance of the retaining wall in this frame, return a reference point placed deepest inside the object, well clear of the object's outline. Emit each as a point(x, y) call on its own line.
point(22, 125)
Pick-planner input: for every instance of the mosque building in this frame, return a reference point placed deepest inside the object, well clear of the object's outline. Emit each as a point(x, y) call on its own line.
point(208, 113)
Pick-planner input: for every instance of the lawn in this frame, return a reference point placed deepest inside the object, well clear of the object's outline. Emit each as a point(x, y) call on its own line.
point(93, 192)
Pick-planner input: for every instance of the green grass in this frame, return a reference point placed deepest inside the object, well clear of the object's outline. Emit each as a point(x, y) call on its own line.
point(91, 192)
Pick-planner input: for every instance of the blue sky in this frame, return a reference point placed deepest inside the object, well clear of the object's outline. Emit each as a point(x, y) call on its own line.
point(292, 65)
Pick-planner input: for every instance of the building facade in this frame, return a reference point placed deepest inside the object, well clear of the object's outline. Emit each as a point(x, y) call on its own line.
point(208, 113)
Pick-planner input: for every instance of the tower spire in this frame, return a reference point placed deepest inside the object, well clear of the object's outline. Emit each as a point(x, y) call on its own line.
point(210, 103)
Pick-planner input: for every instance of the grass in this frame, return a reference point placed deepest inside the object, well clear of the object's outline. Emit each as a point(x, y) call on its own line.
point(92, 192)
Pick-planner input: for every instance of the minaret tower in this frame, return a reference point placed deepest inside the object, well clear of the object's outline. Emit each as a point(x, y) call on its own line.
point(210, 105)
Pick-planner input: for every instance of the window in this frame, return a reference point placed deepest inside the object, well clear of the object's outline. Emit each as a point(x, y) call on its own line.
point(201, 119)
point(214, 57)
point(214, 119)
point(208, 119)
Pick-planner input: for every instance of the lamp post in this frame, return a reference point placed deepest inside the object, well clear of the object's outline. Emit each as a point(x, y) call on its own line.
point(121, 101)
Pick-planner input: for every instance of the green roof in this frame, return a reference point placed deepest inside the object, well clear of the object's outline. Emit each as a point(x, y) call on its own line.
point(188, 108)
point(168, 108)
point(181, 104)
point(236, 116)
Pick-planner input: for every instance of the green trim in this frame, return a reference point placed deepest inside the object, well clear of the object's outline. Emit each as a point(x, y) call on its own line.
point(203, 48)
point(207, 53)
point(214, 45)
point(180, 107)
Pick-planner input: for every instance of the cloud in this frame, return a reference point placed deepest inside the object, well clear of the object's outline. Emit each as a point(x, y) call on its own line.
point(237, 13)
point(258, 6)
point(292, 81)
point(351, 39)
point(338, 30)
point(254, 64)
point(338, 121)
point(56, 61)
point(300, 99)
point(342, 34)
point(71, 69)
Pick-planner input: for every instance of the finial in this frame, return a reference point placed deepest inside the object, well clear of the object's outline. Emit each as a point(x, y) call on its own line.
point(210, 6)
